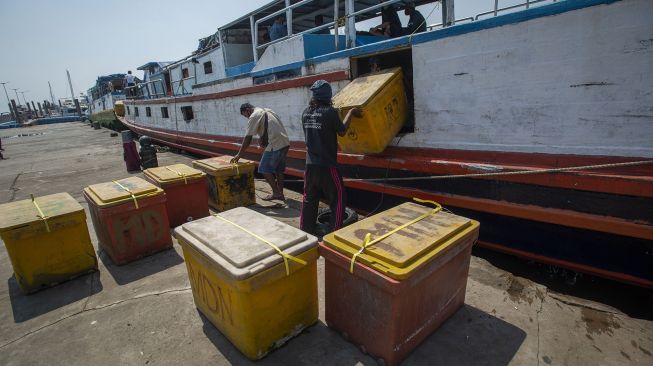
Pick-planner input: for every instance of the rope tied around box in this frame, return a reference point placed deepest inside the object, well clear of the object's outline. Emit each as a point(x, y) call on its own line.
point(368, 242)
point(41, 215)
point(283, 254)
point(179, 174)
point(128, 191)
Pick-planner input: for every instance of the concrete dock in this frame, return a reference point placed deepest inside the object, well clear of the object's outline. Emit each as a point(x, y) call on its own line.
point(143, 313)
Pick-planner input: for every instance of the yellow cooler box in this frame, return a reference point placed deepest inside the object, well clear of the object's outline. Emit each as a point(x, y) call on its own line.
point(230, 185)
point(242, 283)
point(382, 98)
point(47, 240)
point(119, 108)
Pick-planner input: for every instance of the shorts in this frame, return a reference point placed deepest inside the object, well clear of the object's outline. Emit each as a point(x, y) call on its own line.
point(273, 161)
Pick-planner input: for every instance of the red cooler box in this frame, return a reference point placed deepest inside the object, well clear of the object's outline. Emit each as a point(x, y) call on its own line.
point(404, 286)
point(187, 196)
point(130, 218)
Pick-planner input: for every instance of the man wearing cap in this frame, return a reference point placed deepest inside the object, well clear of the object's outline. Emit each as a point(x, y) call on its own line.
point(416, 21)
point(322, 178)
point(274, 138)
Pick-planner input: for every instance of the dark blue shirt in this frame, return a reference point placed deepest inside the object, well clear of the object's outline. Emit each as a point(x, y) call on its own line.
point(321, 126)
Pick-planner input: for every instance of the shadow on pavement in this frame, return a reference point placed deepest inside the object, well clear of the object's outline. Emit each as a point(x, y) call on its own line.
point(141, 268)
point(316, 345)
point(26, 307)
point(470, 337)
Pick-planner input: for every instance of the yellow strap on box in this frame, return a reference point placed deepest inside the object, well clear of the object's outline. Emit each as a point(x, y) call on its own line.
point(283, 254)
point(235, 165)
point(368, 242)
point(179, 174)
point(128, 191)
point(40, 215)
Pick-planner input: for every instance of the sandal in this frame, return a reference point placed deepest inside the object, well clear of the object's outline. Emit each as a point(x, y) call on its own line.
point(271, 197)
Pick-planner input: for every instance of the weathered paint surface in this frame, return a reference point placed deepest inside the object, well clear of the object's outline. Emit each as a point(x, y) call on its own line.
point(577, 83)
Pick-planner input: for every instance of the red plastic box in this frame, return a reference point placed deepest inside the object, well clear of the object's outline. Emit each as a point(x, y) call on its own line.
point(129, 217)
point(389, 317)
point(187, 195)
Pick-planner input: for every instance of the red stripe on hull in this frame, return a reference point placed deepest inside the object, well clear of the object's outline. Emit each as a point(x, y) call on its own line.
point(632, 181)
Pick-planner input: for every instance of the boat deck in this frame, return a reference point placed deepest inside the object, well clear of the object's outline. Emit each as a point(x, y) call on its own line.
point(143, 312)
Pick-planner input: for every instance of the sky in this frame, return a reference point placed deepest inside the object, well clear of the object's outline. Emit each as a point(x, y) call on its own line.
point(41, 39)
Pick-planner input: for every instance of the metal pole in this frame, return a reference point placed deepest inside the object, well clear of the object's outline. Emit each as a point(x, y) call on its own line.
point(70, 83)
point(336, 28)
point(25, 100)
point(252, 25)
point(496, 7)
point(288, 18)
point(528, 4)
point(224, 57)
point(5, 88)
point(16, 91)
point(51, 94)
point(16, 112)
point(448, 14)
point(350, 25)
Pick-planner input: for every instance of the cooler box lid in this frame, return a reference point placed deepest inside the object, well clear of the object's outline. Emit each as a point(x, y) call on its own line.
point(362, 89)
point(221, 165)
point(400, 254)
point(120, 191)
point(239, 253)
point(173, 173)
point(21, 213)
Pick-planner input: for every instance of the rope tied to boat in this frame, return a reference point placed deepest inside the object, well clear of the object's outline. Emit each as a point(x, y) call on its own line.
point(41, 215)
point(283, 254)
point(128, 191)
point(515, 172)
point(368, 242)
point(179, 174)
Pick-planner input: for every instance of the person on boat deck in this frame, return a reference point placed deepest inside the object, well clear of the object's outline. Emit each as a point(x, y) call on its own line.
point(279, 28)
point(130, 80)
point(319, 20)
point(416, 21)
point(274, 138)
point(390, 23)
point(374, 63)
point(322, 178)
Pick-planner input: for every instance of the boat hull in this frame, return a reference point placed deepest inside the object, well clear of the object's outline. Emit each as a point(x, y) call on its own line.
point(605, 230)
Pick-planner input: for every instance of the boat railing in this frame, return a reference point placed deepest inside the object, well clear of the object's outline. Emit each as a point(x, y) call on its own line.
point(348, 18)
point(137, 91)
point(180, 85)
point(496, 9)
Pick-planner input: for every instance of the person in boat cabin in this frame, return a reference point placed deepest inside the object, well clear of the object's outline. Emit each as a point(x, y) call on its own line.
point(374, 63)
point(319, 20)
point(279, 28)
point(322, 178)
point(274, 138)
point(130, 80)
point(390, 23)
point(416, 21)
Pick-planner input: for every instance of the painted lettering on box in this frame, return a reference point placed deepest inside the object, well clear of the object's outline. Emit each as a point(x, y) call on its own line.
point(217, 300)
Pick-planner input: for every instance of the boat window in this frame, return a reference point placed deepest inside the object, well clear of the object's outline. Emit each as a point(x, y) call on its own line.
point(184, 72)
point(187, 112)
point(135, 111)
point(277, 76)
point(208, 67)
point(148, 112)
point(164, 112)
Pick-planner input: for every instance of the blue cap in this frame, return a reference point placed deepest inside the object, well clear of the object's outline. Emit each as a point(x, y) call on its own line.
point(321, 90)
